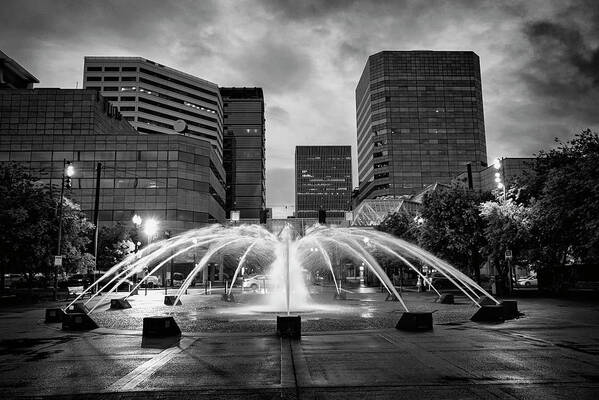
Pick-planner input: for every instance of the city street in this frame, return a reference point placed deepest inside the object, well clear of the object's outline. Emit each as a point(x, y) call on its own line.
point(227, 351)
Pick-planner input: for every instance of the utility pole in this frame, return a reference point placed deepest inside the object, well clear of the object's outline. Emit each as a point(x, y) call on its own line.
point(96, 215)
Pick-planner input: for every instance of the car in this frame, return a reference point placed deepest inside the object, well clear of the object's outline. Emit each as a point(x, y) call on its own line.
point(151, 282)
point(256, 282)
point(529, 281)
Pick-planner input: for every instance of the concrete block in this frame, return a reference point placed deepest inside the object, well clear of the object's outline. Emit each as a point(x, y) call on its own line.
point(229, 298)
point(289, 326)
point(489, 313)
point(170, 300)
point(119, 304)
point(54, 315)
point(76, 308)
point(486, 301)
point(158, 327)
point(341, 295)
point(510, 309)
point(415, 321)
point(78, 322)
point(447, 299)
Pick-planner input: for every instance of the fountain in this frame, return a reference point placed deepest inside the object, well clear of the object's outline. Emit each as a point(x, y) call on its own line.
point(290, 258)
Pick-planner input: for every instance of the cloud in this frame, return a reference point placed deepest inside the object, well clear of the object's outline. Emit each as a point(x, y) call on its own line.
point(539, 58)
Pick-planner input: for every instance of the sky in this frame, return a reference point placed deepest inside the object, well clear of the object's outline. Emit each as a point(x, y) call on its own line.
point(539, 59)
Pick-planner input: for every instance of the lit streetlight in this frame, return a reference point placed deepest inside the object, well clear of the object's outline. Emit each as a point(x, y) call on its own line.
point(150, 228)
point(68, 170)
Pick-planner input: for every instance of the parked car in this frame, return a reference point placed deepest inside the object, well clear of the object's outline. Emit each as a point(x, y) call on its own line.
point(151, 282)
point(256, 282)
point(529, 281)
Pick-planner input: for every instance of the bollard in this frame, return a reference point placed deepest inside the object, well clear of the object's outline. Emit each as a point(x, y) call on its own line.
point(415, 321)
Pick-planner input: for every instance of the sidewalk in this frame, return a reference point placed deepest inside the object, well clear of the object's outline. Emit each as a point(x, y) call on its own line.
point(552, 353)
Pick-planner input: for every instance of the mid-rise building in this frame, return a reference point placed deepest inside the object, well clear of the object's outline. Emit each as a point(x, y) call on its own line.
point(244, 150)
point(419, 120)
point(323, 180)
point(156, 99)
point(13, 75)
point(172, 178)
point(508, 170)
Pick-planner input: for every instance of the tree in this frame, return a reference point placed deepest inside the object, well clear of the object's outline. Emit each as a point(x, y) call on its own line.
point(401, 225)
point(28, 238)
point(114, 244)
point(564, 192)
point(453, 228)
point(507, 227)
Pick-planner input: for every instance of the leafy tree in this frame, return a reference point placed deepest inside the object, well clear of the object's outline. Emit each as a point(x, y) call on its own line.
point(114, 244)
point(28, 216)
point(453, 228)
point(564, 192)
point(401, 225)
point(508, 226)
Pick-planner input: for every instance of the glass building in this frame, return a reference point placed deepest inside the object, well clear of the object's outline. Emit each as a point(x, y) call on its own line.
point(419, 120)
point(323, 179)
point(244, 150)
point(157, 99)
point(176, 179)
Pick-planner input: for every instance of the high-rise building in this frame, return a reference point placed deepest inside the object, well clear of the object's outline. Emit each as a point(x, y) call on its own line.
point(419, 120)
point(244, 150)
point(323, 180)
point(157, 99)
point(167, 177)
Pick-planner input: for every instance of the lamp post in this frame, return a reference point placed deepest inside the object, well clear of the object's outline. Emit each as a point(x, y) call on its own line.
point(499, 179)
point(68, 170)
point(150, 229)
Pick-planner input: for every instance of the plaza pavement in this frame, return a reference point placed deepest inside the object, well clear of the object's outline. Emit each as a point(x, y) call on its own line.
point(350, 351)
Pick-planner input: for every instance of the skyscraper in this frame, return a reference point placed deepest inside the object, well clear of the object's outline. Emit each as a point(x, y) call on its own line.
point(419, 120)
point(156, 99)
point(244, 150)
point(323, 179)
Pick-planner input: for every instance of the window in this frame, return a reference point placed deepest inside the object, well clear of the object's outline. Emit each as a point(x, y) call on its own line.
point(111, 69)
point(127, 109)
point(93, 88)
point(129, 69)
point(111, 98)
point(128, 89)
point(111, 88)
point(94, 78)
point(129, 78)
point(111, 79)
point(127, 98)
point(89, 69)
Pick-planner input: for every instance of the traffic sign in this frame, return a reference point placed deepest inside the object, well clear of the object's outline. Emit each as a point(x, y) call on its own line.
point(58, 261)
point(508, 254)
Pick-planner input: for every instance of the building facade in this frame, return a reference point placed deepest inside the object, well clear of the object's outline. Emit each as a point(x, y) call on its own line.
point(323, 180)
point(156, 99)
point(173, 178)
point(13, 75)
point(244, 150)
point(419, 120)
point(510, 170)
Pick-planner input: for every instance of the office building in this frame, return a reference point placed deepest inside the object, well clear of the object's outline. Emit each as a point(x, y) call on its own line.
point(244, 150)
point(173, 178)
point(419, 120)
point(156, 99)
point(13, 75)
point(510, 170)
point(323, 180)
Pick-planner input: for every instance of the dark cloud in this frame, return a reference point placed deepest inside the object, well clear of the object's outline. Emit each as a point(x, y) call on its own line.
point(306, 9)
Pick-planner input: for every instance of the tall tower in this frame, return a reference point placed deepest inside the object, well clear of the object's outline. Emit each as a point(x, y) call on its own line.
point(419, 120)
point(244, 150)
point(323, 179)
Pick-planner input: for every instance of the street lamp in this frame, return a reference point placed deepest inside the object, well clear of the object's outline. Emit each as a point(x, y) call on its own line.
point(68, 170)
point(498, 178)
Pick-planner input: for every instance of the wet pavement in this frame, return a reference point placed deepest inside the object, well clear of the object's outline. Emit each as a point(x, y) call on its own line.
point(348, 349)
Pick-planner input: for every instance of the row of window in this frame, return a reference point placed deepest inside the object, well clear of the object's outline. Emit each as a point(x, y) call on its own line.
point(110, 69)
